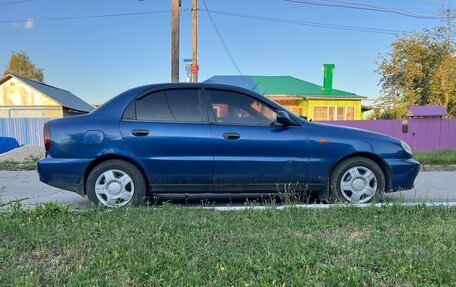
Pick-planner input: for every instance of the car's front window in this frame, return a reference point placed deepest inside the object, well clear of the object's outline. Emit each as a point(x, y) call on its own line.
point(235, 108)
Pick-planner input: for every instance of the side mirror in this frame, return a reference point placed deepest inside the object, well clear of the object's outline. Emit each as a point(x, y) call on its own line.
point(283, 118)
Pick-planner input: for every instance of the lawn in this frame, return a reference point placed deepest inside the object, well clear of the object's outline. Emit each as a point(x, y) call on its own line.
point(29, 164)
point(172, 246)
point(444, 157)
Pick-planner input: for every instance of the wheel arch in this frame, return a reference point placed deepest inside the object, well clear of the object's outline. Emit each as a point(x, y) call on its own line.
point(375, 158)
point(107, 157)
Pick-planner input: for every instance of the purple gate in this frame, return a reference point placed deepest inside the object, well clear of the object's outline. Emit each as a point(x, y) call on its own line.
point(421, 134)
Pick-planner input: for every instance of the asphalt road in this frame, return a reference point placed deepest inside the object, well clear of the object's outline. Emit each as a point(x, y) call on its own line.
point(433, 186)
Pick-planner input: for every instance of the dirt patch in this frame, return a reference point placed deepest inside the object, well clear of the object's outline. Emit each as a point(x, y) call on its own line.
point(23, 154)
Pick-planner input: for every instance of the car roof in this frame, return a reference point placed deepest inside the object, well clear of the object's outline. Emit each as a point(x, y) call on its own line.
point(125, 98)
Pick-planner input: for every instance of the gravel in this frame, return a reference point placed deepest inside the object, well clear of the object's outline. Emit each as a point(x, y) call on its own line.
point(23, 154)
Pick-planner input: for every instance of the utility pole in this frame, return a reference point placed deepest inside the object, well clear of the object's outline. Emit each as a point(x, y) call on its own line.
point(175, 23)
point(195, 66)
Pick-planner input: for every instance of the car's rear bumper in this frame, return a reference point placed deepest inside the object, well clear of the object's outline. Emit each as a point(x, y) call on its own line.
point(66, 174)
point(404, 172)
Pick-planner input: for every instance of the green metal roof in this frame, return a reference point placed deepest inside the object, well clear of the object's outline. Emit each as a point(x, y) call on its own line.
point(283, 85)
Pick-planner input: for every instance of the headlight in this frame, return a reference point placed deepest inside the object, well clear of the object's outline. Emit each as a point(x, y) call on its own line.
point(406, 148)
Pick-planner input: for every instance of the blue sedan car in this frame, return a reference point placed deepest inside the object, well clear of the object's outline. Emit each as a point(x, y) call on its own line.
point(206, 139)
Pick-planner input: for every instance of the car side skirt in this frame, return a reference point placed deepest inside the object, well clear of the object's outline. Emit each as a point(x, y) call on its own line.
point(235, 188)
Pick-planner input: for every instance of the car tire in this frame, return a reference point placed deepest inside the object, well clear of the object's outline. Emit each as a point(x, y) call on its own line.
point(357, 180)
point(116, 183)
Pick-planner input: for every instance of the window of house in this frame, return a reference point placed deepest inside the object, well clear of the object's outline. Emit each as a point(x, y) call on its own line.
point(331, 113)
point(340, 113)
point(320, 114)
point(235, 108)
point(350, 113)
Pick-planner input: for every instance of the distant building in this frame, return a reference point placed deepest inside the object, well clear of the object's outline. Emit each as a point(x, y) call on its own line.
point(21, 97)
point(319, 103)
point(426, 112)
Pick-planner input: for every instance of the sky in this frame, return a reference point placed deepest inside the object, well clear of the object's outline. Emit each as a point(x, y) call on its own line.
point(98, 58)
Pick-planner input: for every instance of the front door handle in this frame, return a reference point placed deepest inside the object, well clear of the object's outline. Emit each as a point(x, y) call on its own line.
point(140, 132)
point(231, 136)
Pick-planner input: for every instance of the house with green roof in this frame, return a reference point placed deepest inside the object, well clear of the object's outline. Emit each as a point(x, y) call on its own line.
point(319, 103)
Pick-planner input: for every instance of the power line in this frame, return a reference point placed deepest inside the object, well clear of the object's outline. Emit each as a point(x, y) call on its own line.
point(227, 50)
point(85, 17)
point(316, 24)
point(256, 17)
point(6, 3)
point(378, 7)
point(364, 7)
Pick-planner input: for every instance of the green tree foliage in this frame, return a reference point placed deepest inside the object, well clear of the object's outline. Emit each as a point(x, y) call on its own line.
point(20, 64)
point(419, 70)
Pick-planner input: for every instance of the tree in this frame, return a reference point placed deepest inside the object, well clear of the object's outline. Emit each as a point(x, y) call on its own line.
point(20, 64)
point(419, 70)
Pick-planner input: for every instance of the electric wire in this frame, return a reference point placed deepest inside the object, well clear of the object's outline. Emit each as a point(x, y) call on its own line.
point(219, 35)
point(366, 8)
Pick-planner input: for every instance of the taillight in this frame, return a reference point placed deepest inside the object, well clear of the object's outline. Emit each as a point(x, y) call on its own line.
point(47, 137)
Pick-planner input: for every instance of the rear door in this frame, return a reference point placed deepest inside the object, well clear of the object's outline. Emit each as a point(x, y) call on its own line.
point(169, 132)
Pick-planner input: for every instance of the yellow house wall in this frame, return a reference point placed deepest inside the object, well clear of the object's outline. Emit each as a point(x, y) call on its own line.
point(306, 106)
point(15, 93)
point(18, 100)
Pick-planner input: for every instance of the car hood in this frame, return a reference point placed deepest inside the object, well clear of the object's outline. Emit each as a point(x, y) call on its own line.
point(353, 132)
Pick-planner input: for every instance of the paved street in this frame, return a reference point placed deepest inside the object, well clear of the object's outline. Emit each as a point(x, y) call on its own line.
point(26, 187)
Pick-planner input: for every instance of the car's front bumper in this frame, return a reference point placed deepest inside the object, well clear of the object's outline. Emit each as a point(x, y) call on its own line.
point(66, 174)
point(404, 172)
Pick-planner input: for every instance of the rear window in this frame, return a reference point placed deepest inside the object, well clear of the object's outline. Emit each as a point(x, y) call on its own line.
point(153, 107)
point(185, 105)
point(180, 105)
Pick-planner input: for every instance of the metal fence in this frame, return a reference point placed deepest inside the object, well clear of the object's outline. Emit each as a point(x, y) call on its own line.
point(16, 132)
point(31, 112)
point(421, 134)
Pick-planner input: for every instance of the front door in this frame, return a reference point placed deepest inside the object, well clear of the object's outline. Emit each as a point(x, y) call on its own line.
point(250, 148)
point(169, 132)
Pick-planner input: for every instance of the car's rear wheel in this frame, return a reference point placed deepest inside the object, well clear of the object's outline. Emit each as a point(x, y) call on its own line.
point(116, 183)
point(357, 180)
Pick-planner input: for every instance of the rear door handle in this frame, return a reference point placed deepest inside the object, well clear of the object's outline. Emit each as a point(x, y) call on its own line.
point(231, 136)
point(140, 132)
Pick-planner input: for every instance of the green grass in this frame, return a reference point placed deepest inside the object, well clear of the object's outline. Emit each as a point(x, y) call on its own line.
point(443, 157)
point(171, 246)
point(29, 164)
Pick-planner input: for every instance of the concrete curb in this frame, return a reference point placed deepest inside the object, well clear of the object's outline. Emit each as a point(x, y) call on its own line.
point(325, 206)
point(434, 167)
point(282, 207)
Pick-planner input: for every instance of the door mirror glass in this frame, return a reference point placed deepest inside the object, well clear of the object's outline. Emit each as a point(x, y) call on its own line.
point(283, 118)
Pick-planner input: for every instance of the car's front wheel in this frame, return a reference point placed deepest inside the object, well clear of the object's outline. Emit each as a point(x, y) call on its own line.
point(116, 183)
point(357, 180)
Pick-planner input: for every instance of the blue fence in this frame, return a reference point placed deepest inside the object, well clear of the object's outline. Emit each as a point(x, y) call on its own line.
point(15, 132)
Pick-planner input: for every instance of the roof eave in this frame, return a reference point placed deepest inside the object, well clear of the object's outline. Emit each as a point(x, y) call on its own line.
point(360, 98)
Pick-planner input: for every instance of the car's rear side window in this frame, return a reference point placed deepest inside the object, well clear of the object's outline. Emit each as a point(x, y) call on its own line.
point(153, 107)
point(180, 105)
point(185, 105)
